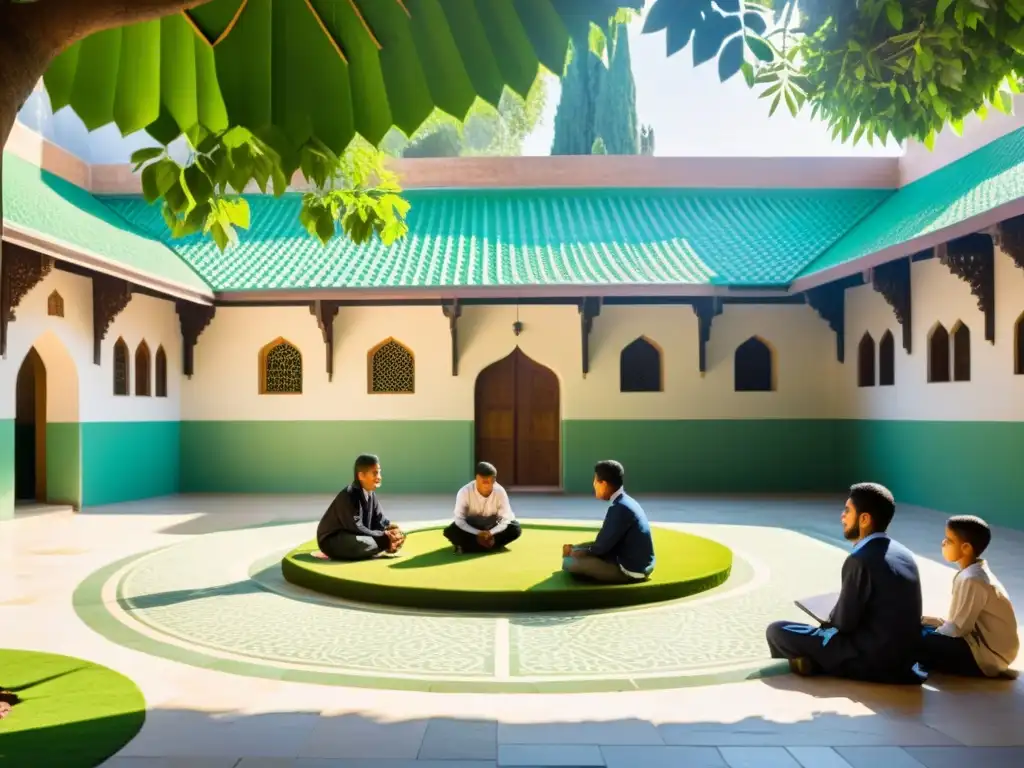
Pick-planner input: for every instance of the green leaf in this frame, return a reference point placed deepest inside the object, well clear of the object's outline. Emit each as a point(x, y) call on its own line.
point(731, 58)
point(324, 226)
point(860, 72)
point(1003, 102)
point(748, 74)
point(1015, 38)
point(146, 154)
point(759, 48)
point(220, 236)
point(237, 137)
point(894, 12)
point(236, 212)
point(150, 190)
point(940, 9)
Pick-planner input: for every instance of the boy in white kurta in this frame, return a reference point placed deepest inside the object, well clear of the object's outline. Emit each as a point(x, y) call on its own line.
point(483, 515)
point(979, 637)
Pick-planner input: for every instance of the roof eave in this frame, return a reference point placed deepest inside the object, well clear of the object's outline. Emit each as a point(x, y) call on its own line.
point(909, 247)
point(18, 235)
point(454, 293)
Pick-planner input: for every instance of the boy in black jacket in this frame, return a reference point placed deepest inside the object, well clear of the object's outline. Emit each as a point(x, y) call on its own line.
point(354, 526)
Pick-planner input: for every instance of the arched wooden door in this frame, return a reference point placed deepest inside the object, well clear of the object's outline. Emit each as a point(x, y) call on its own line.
point(518, 423)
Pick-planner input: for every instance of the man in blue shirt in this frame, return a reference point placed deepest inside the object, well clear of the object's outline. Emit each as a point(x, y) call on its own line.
point(874, 630)
point(623, 552)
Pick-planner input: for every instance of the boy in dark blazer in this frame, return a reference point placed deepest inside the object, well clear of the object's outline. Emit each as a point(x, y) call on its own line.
point(623, 552)
point(354, 526)
point(874, 631)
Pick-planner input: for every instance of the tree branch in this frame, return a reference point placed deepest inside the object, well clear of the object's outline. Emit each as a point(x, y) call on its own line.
point(71, 20)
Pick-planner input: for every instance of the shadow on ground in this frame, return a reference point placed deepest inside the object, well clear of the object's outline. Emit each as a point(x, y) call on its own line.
point(902, 719)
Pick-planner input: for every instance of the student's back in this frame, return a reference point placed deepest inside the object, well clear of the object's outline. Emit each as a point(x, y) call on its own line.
point(887, 636)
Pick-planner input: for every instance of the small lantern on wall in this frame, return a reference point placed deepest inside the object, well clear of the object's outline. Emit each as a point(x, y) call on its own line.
point(517, 327)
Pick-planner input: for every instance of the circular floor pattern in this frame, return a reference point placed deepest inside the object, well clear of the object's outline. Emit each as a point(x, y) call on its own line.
point(219, 601)
point(524, 577)
point(73, 713)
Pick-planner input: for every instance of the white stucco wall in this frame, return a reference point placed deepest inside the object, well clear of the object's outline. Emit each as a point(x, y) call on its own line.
point(78, 390)
point(226, 381)
point(994, 393)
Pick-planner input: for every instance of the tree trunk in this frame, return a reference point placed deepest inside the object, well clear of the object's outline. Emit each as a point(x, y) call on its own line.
point(32, 33)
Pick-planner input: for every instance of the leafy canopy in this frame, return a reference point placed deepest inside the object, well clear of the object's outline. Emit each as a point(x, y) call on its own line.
point(870, 68)
point(353, 191)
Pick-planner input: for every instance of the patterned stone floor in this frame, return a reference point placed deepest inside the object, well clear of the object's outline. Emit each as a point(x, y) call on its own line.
point(243, 670)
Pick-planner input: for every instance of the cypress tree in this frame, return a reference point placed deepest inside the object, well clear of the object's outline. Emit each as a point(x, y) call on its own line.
point(615, 112)
point(598, 102)
point(574, 120)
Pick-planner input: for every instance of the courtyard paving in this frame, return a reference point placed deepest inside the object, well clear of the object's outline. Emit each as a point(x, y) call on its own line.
point(181, 594)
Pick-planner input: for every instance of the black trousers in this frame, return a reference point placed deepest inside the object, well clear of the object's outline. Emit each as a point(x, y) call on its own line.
point(831, 655)
point(467, 541)
point(346, 546)
point(952, 655)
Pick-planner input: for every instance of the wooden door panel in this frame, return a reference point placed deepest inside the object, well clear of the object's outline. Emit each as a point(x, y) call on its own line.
point(538, 460)
point(495, 417)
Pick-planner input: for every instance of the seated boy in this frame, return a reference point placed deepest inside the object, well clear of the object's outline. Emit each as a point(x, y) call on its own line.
point(483, 515)
point(623, 552)
point(979, 637)
point(354, 526)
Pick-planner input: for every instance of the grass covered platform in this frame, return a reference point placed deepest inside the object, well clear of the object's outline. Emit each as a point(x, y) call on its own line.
point(73, 713)
point(526, 576)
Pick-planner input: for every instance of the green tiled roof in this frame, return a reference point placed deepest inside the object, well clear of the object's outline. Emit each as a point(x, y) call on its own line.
point(563, 237)
point(973, 185)
point(40, 203)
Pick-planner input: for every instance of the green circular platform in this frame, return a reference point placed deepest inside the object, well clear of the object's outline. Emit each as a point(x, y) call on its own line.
point(526, 576)
point(73, 714)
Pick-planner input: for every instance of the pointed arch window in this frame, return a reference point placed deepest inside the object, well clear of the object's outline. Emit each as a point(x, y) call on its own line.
point(143, 379)
point(754, 369)
point(961, 352)
point(122, 368)
point(938, 354)
point(280, 368)
point(866, 361)
point(1018, 346)
point(640, 367)
point(55, 305)
point(161, 372)
point(391, 368)
point(887, 360)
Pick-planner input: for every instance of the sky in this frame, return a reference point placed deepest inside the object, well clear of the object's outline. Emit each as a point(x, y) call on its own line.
point(691, 111)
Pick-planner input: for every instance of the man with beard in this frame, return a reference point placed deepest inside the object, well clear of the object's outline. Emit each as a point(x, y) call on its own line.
point(873, 633)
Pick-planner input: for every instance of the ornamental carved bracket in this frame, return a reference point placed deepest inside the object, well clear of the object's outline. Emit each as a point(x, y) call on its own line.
point(973, 260)
point(20, 271)
point(325, 312)
point(829, 301)
point(590, 308)
point(892, 280)
point(110, 295)
point(193, 319)
point(706, 309)
point(453, 311)
point(1011, 239)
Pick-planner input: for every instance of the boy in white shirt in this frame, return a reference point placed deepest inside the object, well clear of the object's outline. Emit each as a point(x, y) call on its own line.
point(979, 638)
point(483, 516)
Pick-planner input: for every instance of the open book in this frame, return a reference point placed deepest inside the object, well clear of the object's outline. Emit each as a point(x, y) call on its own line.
point(819, 607)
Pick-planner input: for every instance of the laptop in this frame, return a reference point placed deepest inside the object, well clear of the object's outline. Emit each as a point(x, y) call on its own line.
point(819, 607)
